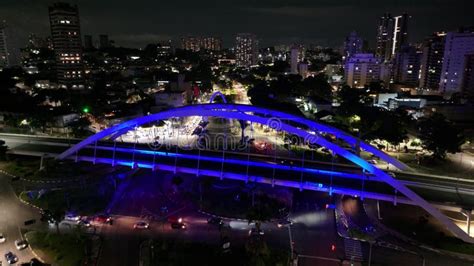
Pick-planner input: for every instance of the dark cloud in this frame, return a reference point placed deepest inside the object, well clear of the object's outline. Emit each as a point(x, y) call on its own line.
point(326, 22)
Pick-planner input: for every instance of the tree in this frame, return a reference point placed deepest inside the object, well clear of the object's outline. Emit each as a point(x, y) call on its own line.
point(57, 215)
point(439, 136)
point(351, 101)
point(259, 213)
point(377, 123)
point(257, 251)
point(318, 86)
point(243, 125)
point(79, 127)
point(3, 150)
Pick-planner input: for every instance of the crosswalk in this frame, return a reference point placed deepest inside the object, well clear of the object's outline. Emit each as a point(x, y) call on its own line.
point(353, 250)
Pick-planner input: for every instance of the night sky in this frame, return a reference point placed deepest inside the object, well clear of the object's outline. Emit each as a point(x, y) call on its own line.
point(326, 22)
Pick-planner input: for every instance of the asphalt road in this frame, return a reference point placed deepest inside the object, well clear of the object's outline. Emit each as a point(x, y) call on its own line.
point(428, 185)
point(13, 214)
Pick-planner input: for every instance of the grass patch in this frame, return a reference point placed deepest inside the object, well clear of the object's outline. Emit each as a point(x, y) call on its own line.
point(62, 249)
point(52, 169)
point(23, 168)
point(85, 201)
point(224, 204)
point(425, 233)
point(188, 253)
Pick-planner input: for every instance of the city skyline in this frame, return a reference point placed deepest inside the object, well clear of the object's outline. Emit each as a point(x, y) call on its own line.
point(273, 22)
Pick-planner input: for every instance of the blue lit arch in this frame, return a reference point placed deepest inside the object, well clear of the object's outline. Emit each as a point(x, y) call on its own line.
point(266, 116)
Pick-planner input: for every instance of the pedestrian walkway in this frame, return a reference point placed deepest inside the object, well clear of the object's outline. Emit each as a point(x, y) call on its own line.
point(353, 250)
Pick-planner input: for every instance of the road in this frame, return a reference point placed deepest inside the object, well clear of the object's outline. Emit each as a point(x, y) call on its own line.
point(33, 145)
point(13, 214)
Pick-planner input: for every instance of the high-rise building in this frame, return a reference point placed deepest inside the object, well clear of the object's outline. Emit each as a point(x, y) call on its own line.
point(4, 61)
point(294, 60)
point(362, 69)
point(407, 66)
point(432, 61)
point(66, 36)
point(88, 43)
point(457, 46)
point(468, 79)
point(392, 35)
point(191, 43)
point(353, 45)
point(383, 35)
point(303, 69)
point(104, 41)
point(246, 49)
point(211, 43)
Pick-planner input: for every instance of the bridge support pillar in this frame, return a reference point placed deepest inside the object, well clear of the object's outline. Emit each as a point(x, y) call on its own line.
point(469, 224)
point(378, 210)
point(468, 214)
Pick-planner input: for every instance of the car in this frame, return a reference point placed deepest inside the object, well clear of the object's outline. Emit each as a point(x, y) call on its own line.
point(2, 238)
point(21, 244)
point(173, 219)
point(11, 258)
point(141, 225)
point(103, 219)
point(215, 221)
point(72, 217)
point(178, 226)
point(284, 222)
point(256, 232)
point(373, 161)
point(84, 222)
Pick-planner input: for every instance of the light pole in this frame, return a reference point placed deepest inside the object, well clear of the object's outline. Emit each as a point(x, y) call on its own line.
point(370, 252)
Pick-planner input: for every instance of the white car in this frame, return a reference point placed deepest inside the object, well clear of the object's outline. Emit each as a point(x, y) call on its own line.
point(72, 218)
point(141, 225)
point(21, 244)
point(2, 238)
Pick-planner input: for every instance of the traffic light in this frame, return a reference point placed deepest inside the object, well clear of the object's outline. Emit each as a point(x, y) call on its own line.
point(85, 109)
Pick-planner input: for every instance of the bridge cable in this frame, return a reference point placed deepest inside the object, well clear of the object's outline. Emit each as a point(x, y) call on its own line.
point(274, 159)
point(113, 154)
point(302, 172)
point(176, 146)
point(134, 146)
point(95, 151)
point(248, 153)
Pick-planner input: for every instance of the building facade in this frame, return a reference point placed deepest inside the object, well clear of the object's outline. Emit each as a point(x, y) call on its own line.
point(457, 46)
point(67, 44)
point(211, 43)
point(246, 49)
point(353, 45)
point(468, 76)
point(362, 69)
point(4, 61)
point(294, 60)
point(104, 41)
point(392, 35)
point(407, 66)
point(432, 61)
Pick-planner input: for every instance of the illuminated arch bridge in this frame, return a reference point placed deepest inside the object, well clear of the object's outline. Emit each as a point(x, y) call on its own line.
point(306, 129)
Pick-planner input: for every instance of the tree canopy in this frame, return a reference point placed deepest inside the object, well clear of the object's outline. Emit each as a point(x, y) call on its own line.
point(439, 135)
